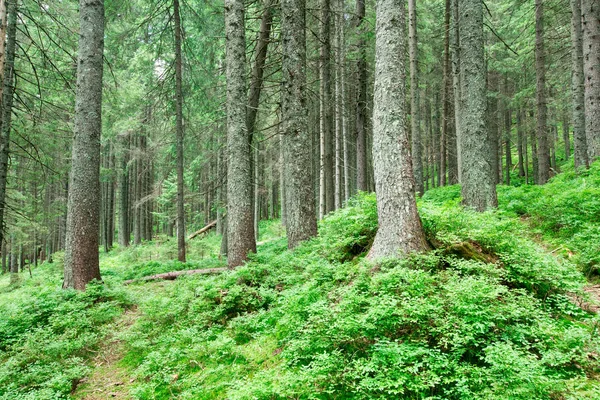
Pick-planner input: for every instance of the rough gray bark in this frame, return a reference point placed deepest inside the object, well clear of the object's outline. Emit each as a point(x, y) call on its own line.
point(456, 82)
point(361, 101)
point(400, 229)
point(590, 12)
point(179, 134)
point(240, 223)
point(7, 79)
point(415, 119)
point(326, 190)
point(478, 180)
point(83, 206)
point(300, 217)
point(580, 154)
point(543, 152)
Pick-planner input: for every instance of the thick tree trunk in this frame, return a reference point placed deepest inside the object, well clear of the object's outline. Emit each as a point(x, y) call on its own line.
point(478, 179)
point(456, 80)
point(240, 229)
point(83, 215)
point(326, 198)
point(179, 134)
point(415, 118)
point(299, 190)
point(7, 82)
point(590, 12)
point(400, 229)
point(543, 152)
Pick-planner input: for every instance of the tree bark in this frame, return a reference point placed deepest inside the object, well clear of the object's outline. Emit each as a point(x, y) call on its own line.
point(590, 11)
point(124, 191)
point(361, 101)
point(83, 215)
point(543, 153)
point(299, 190)
point(326, 202)
point(179, 134)
point(240, 223)
point(580, 150)
point(456, 80)
point(415, 118)
point(400, 229)
point(478, 179)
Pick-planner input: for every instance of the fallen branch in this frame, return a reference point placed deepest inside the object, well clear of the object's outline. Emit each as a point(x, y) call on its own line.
point(169, 276)
point(203, 230)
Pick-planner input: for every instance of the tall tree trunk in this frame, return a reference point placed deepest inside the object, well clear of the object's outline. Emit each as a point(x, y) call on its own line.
point(456, 80)
point(83, 215)
point(590, 12)
point(361, 101)
point(240, 226)
point(400, 229)
point(577, 86)
point(521, 144)
point(299, 191)
point(478, 180)
point(492, 119)
point(566, 139)
point(543, 154)
point(7, 64)
point(325, 103)
point(179, 133)
point(415, 118)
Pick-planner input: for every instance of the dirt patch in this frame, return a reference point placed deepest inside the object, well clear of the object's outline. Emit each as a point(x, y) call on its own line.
point(108, 379)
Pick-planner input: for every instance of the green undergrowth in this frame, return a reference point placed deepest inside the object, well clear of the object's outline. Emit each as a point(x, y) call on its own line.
point(47, 335)
point(321, 322)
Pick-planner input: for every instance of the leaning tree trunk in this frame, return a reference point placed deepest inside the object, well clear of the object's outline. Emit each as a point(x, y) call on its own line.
point(478, 179)
point(415, 118)
point(179, 134)
point(300, 217)
point(400, 229)
point(240, 224)
point(543, 152)
point(83, 206)
point(590, 11)
point(7, 63)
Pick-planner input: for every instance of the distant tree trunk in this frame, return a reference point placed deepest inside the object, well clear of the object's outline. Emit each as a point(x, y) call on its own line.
point(534, 158)
point(525, 149)
point(543, 154)
point(179, 134)
point(400, 229)
point(124, 191)
point(361, 103)
point(566, 139)
point(7, 63)
point(577, 86)
point(339, 103)
point(492, 121)
point(83, 215)
point(415, 119)
point(240, 226)
point(590, 11)
point(507, 148)
point(521, 144)
point(299, 192)
point(478, 179)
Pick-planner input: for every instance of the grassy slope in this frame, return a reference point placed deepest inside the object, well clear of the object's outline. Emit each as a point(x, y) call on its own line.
point(321, 322)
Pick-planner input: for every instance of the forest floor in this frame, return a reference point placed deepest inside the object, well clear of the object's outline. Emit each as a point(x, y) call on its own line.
point(518, 320)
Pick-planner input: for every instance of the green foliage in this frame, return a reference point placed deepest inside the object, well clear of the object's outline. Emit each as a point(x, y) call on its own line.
point(47, 333)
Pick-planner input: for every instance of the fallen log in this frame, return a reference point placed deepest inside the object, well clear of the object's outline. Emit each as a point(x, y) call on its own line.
point(203, 230)
point(169, 276)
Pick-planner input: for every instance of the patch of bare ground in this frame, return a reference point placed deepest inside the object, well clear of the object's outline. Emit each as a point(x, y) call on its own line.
point(108, 379)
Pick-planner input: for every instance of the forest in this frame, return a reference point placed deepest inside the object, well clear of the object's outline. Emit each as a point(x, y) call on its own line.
point(299, 199)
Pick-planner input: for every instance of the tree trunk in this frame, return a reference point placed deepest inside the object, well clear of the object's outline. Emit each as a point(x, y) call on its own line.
point(299, 190)
point(240, 226)
point(325, 102)
point(361, 101)
point(400, 229)
point(521, 144)
point(456, 80)
point(590, 11)
point(83, 215)
point(179, 134)
point(566, 139)
point(415, 118)
point(7, 79)
point(543, 153)
point(478, 179)
point(577, 86)
point(124, 191)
